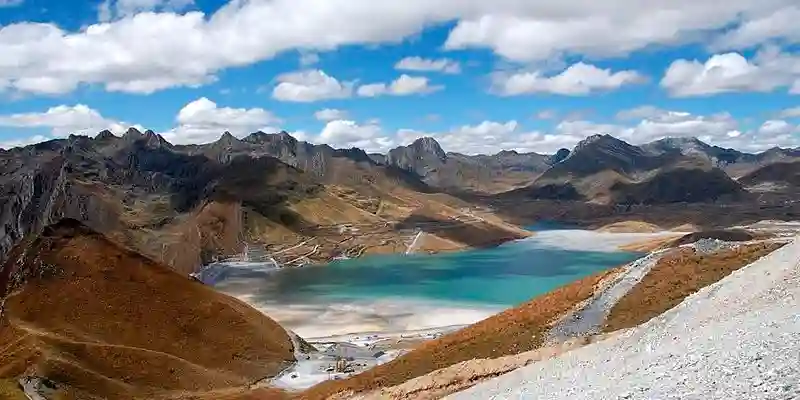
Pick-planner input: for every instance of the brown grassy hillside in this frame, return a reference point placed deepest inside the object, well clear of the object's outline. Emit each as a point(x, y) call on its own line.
point(100, 320)
point(676, 276)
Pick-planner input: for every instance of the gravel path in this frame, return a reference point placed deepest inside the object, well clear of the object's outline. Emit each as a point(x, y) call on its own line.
point(588, 320)
point(736, 339)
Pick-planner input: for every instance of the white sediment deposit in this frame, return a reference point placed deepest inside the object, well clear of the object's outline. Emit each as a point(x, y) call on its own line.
point(583, 240)
point(736, 339)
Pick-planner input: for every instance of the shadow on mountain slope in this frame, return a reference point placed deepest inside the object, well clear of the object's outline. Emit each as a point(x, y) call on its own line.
point(474, 233)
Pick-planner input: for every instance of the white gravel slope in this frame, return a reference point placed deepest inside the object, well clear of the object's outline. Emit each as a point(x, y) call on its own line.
point(736, 339)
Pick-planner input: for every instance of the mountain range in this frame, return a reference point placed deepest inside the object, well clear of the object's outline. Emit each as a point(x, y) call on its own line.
point(186, 205)
point(99, 238)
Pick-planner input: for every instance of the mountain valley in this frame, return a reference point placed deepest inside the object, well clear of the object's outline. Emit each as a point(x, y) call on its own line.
point(109, 234)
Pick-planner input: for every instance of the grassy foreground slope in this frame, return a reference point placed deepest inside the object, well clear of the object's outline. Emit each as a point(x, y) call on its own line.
point(101, 321)
point(676, 276)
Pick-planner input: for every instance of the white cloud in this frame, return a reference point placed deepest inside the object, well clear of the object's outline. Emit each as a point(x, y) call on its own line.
point(308, 59)
point(490, 137)
point(309, 86)
point(146, 52)
point(769, 70)
point(202, 121)
point(10, 144)
point(445, 65)
point(64, 120)
point(793, 112)
point(578, 80)
point(405, 85)
point(330, 114)
point(546, 114)
point(10, 3)
point(528, 31)
point(718, 129)
point(779, 24)
point(346, 134)
point(112, 9)
point(60, 121)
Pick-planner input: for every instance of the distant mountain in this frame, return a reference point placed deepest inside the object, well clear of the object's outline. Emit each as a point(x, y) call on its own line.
point(87, 318)
point(599, 153)
point(678, 185)
point(453, 171)
point(605, 169)
point(188, 205)
point(779, 175)
point(732, 161)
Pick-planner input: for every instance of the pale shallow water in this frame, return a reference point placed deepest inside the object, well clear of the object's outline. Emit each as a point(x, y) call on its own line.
point(397, 293)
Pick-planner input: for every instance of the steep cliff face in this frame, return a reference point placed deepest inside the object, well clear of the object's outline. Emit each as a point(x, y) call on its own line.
point(29, 194)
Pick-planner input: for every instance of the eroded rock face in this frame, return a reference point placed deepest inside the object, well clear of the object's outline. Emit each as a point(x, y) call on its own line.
point(111, 183)
point(32, 188)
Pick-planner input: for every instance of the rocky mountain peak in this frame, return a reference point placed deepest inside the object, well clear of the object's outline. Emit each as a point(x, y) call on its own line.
point(684, 145)
point(105, 134)
point(560, 155)
point(261, 137)
point(605, 144)
point(227, 139)
point(132, 134)
point(430, 146)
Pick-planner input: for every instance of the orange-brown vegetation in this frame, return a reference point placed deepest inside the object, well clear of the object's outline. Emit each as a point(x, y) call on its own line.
point(676, 276)
point(513, 331)
point(461, 376)
point(103, 321)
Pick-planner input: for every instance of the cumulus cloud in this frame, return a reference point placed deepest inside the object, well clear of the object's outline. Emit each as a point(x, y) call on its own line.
point(405, 85)
point(445, 65)
point(306, 58)
point(64, 120)
point(537, 31)
point(145, 52)
point(578, 80)
point(793, 112)
point(203, 121)
point(309, 86)
point(59, 121)
point(652, 123)
point(780, 24)
point(345, 134)
point(330, 114)
point(546, 114)
point(769, 70)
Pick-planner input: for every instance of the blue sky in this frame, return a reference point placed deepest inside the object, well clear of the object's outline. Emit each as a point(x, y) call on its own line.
point(478, 76)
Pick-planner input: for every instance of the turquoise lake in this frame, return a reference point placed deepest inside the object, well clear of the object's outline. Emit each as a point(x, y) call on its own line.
point(406, 292)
